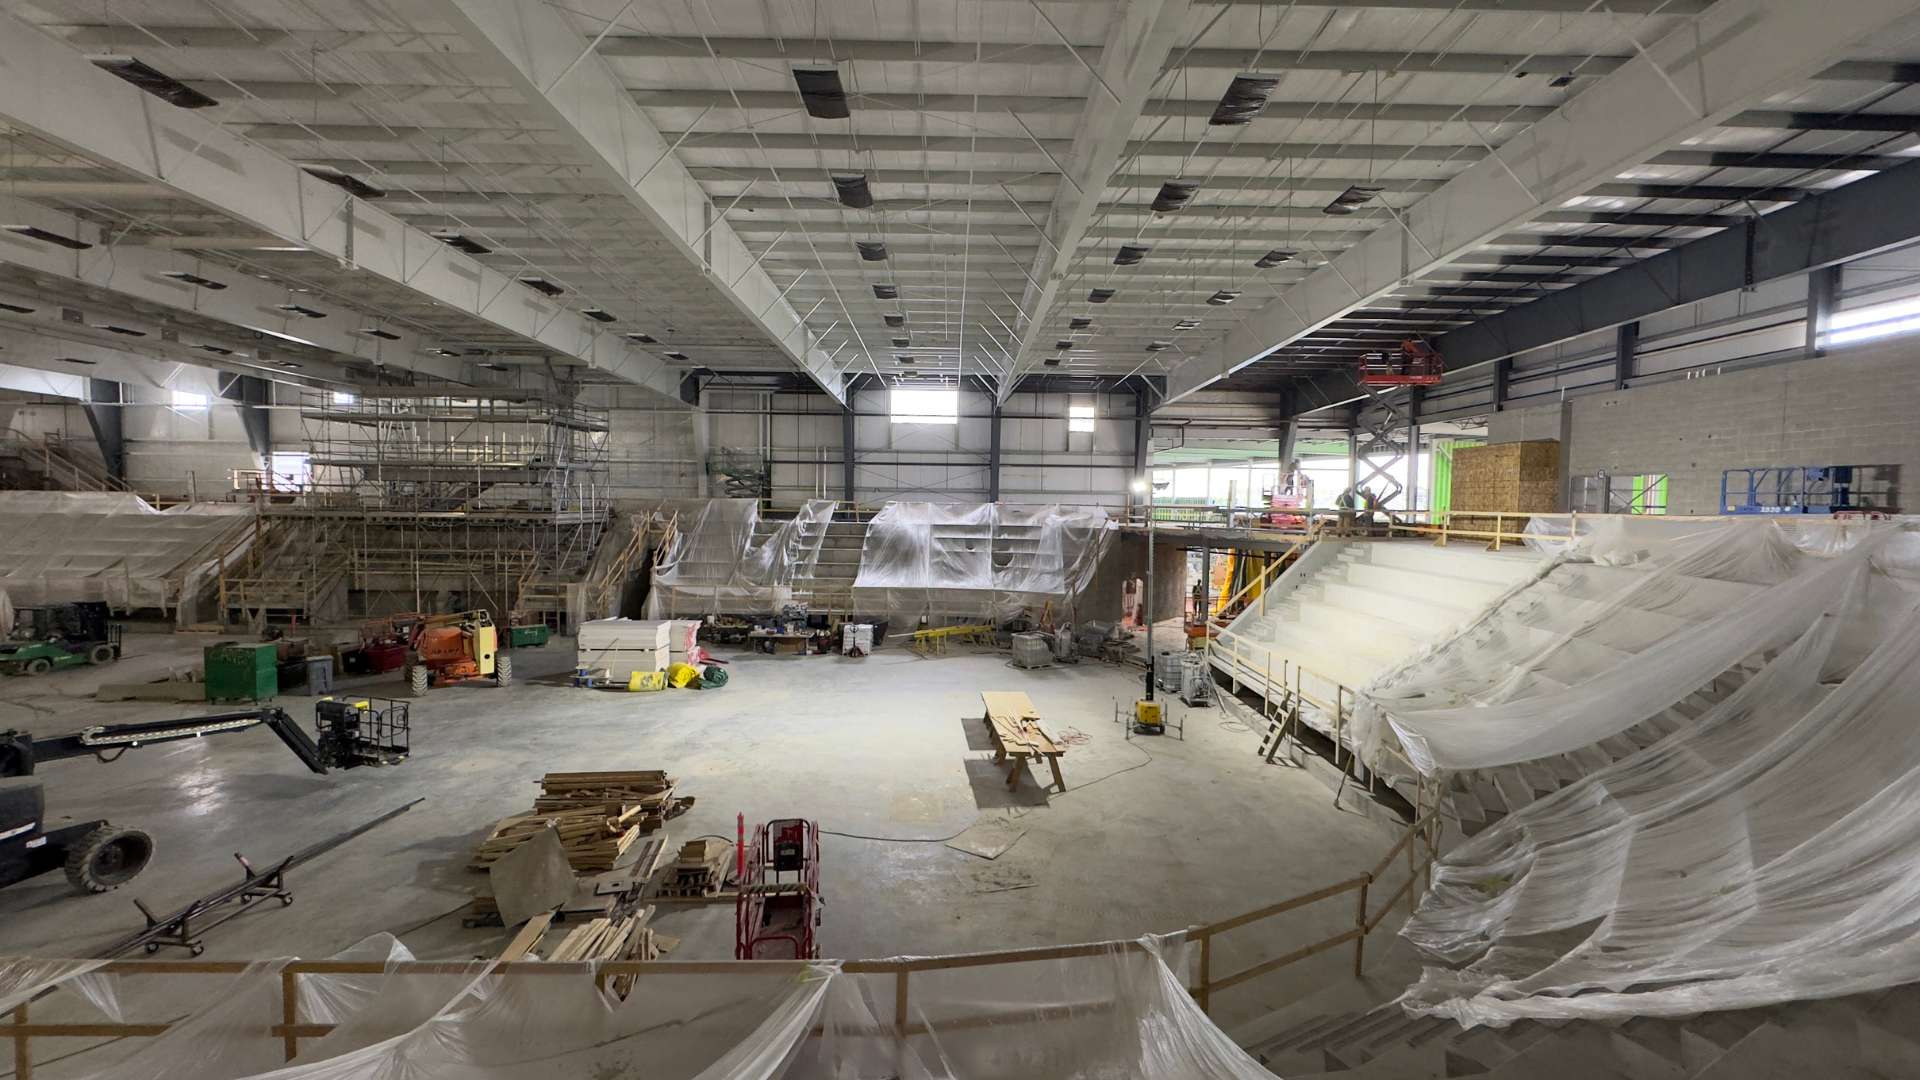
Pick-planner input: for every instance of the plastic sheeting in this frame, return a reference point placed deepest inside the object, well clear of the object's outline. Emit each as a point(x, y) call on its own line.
point(1762, 852)
point(988, 560)
point(716, 564)
point(65, 547)
point(1121, 1011)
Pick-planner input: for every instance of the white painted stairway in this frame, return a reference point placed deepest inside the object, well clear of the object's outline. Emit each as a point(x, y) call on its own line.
point(1349, 610)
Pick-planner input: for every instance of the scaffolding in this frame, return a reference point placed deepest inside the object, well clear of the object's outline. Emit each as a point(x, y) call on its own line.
point(425, 498)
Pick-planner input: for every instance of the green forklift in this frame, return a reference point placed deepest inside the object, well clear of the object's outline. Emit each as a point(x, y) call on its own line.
point(60, 636)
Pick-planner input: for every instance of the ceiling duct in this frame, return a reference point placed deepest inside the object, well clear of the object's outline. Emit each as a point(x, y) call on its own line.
point(1099, 296)
point(902, 342)
point(886, 292)
point(644, 339)
point(165, 87)
point(353, 184)
point(872, 250)
point(542, 285)
point(1079, 322)
point(596, 314)
point(1224, 297)
point(677, 356)
point(895, 321)
point(1352, 199)
point(296, 309)
point(902, 358)
point(1063, 344)
point(853, 191)
point(1174, 196)
point(1274, 258)
point(821, 92)
point(1187, 324)
point(1246, 95)
point(374, 331)
point(1159, 346)
point(1131, 254)
point(1051, 361)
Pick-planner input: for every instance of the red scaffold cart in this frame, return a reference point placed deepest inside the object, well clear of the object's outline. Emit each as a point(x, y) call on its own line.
point(777, 909)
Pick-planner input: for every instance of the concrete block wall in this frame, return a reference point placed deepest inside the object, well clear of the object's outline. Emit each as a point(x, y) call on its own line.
point(1855, 406)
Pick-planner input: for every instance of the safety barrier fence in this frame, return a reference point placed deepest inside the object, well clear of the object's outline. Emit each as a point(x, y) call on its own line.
point(1415, 849)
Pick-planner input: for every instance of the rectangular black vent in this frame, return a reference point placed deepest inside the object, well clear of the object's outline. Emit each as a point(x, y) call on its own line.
point(1051, 361)
point(76, 360)
point(1063, 344)
point(1274, 258)
point(444, 352)
point(542, 285)
point(296, 309)
point(853, 190)
point(1099, 296)
point(1246, 95)
point(462, 242)
point(353, 184)
point(871, 250)
point(123, 331)
point(215, 350)
point(1351, 199)
point(165, 87)
point(1079, 322)
point(886, 292)
point(1224, 297)
point(676, 356)
point(374, 331)
point(596, 314)
point(1561, 82)
point(195, 279)
point(901, 358)
point(1187, 324)
point(902, 342)
point(34, 232)
point(1174, 196)
point(16, 309)
point(1159, 346)
point(1130, 254)
point(895, 320)
point(821, 92)
point(644, 339)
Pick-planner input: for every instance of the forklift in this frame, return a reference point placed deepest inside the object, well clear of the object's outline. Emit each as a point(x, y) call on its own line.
point(99, 856)
point(61, 636)
point(444, 649)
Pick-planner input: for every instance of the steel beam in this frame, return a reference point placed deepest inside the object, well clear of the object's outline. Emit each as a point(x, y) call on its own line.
point(993, 454)
point(1140, 35)
point(849, 453)
point(53, 92)
point(104, 399)
point(1681, 85)
point(556, 70)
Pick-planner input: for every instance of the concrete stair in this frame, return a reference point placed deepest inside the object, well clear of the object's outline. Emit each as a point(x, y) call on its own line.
point(1354, 1031)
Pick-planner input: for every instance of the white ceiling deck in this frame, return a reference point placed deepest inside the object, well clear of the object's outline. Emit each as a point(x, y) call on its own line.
point(964, 116)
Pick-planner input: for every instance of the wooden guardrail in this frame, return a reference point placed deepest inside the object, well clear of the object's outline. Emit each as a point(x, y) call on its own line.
point(1417, 843)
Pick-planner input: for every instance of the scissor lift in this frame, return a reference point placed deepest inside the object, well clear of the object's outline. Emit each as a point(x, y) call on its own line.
point(777, 909)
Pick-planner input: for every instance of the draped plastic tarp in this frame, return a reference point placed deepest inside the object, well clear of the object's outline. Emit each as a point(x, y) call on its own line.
point(1766, 850)
point(1120, 1011)
point(987, 560)
point(65, 547)
point(716, 565)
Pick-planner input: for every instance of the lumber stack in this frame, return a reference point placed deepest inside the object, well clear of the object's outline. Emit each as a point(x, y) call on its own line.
point(599, 815)
point(701, 868)
point(1515, 477)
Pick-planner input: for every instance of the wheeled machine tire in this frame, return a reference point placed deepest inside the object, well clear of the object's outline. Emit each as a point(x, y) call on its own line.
point(101, 654)
point(503, 670)
point(107, 858)
point(417, 680)
point(39, 665)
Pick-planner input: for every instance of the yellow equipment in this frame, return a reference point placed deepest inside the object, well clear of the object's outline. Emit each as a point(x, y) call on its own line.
point(1149, 718)
point(453, 648)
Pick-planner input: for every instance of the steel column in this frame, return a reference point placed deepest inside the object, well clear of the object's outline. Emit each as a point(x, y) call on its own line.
point(103, 408)
point(993, 454)
point(849, 439)
point(1626, 347)
point(1823, 299)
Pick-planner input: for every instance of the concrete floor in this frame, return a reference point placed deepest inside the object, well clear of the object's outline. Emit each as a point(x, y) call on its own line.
point(1151, 835)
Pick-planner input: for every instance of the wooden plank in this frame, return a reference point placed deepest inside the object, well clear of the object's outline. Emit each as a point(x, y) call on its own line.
point(523, 941)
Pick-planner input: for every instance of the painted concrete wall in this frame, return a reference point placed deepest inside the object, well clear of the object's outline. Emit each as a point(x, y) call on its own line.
point(1855, 406)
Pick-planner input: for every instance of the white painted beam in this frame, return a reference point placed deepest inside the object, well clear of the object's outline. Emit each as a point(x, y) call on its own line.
point(52, 91)
point(1140, 35)
point(555, 68)
point(1738, 52)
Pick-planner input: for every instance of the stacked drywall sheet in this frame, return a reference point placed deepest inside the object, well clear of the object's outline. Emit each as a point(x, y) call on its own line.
point(616, 648)
point(683, 636)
